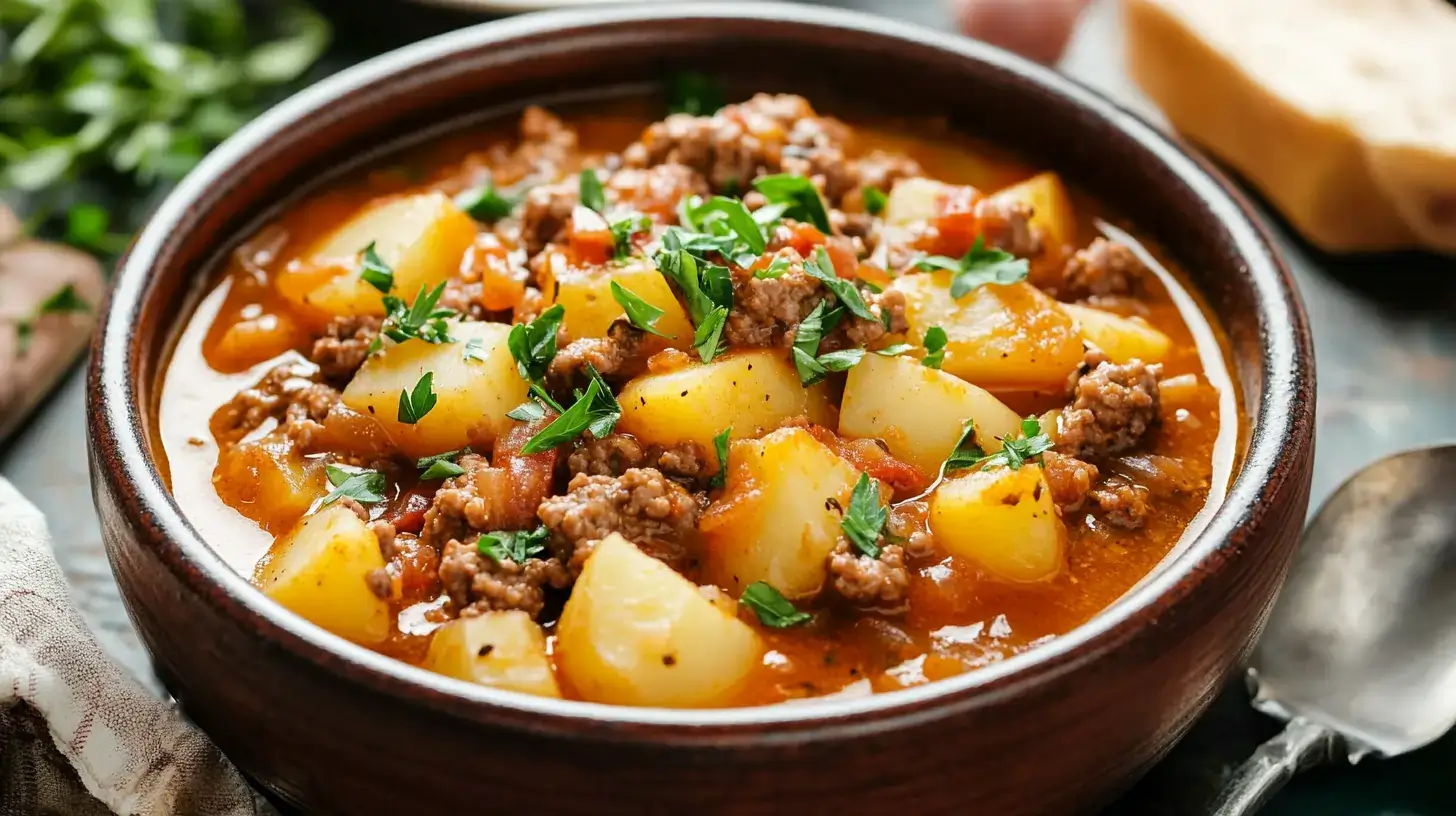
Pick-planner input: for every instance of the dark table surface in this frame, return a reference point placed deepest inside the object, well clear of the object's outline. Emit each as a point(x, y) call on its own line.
point(1386, 347)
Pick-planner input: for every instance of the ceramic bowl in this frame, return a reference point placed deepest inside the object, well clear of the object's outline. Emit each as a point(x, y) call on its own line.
point(333, 728)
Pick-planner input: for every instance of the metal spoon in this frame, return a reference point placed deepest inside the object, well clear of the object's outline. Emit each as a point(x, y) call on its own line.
point(1359, 656)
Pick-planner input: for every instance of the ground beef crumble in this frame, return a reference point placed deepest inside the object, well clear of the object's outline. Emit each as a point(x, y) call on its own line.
point(286, 394)
point(1070, 480)
point(767, 311)
point(1103, 268)
point(1123, 504)
point(616, 453)
point(344, 345)
point(882, 582)
point(477, 583)
point(618, 357)
point(1112, 408)
point(642, 504)
point(1006, 225)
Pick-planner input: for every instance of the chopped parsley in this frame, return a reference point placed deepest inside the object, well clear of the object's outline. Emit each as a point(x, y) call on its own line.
point(622, 231)
point(441, 465)
point(705, 287)
point(596, 410)
point(533, 345)
point(935, 340)
point(590, 190)
point(374, 271)
point(708, 339)
point(978, 267)
point(772, 608)
point(415, 404)
point(799, 194)
point(694, 93)
point(528, 411)
point(895, 350)
point(966, 452)
point(639, 312)
point(874, 200)
point(360, 484)
point(736, 216)
point(865, 518)
point(422, 321)
point(821, 268)
point(720, 445)
point(485, 203)
point(811, 365)
point(1013, 454)
point(775, 269)
point(513, 545)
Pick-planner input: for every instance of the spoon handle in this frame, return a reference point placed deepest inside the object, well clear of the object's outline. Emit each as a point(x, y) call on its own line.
point(1300, 746)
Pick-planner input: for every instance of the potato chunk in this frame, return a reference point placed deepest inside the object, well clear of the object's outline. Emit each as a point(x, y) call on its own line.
point(318, 571)
point(752, 391)
point(912, 200)
point(586, 295)
point(1003, 519)
point(473, 395)
point(422, 237)
point(634, 632)
point(999, 337)
point(776, 521)
point(269, 481)
point(501, 649)
point(1120, 338)
point(1052, 213)
point(919, 411)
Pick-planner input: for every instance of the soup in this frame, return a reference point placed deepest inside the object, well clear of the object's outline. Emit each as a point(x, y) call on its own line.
point(734, 407)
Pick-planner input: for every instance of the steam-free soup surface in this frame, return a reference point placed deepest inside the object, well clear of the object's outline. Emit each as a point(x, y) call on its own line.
point(723, 408)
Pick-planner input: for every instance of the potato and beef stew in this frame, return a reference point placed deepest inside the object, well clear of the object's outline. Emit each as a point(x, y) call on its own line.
point(736, 407)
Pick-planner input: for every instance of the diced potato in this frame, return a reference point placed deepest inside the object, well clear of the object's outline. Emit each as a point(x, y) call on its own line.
point(269, 481)
point(1002, 518)
point(586, 294)
point(1052, 208)
point(752, 391)
point(318, 571)
point(473, 395)
point(501, 649)
point(422, 237)
point(1120, 338)
point(919, 411)
point(912, 200)
point(999, 337)
point(634, 632)
point(775, 522)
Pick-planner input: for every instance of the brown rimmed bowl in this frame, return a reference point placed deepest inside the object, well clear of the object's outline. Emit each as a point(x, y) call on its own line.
point(333, 728)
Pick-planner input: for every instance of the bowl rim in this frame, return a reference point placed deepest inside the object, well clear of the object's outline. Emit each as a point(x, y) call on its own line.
point(1282, 422)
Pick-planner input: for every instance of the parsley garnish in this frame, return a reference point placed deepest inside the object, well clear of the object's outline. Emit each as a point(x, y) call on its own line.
point(622, 231)
point(708, 337)
point(513, 545)
point(422, 321)
point(485, 203)
point(413, 405)
point(811, 365)
point(528, 411)
point(865, 518)
point(771, 607)
point(640, 313)
point(775, 269)
point(596, 410)
point(966, 452)
point(533, 345)
point(374, 271)
point(590, 190)
point(703, 290)
point(720, 445)
point(1013, 454)
point(874, 200)
point(978, 267)
point(693, 93)
point(440, 466)
point(894, 351)
point(821, 268)
point(935, 340)
point(801, 196)
point(361, 485)
point(738, 219)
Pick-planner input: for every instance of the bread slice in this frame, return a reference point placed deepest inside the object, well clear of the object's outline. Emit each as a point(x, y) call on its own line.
point(1341, 112)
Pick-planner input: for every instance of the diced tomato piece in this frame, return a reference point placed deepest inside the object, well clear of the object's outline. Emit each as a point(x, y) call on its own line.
point(501, 283)
point(802, 237)
point(841, 253)
point(957, 226)
point(407, 514)
point(868, 456)
point(591, 239)
point(874, 275)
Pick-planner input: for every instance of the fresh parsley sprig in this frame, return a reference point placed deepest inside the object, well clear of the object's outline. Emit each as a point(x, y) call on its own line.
point(935, 341)
point(415, 404)
point(894, 350)
point(513, 545)
point(589, 189)
point(421, 321)
point(533, 345)
point(772, 608)
point(874, 200)
point(623, 229)
point(720, 446)
point(801, 197)
point(374, 271)
point(639, 312)
point(1014, 453)
point(978, 267)
point(865, 518)
point(708, 338)
point(737, 218)
point(360, 484)
point(441, 465)
point(821, 268)
point(812, 366)
point(596, 410)
point(487, 204)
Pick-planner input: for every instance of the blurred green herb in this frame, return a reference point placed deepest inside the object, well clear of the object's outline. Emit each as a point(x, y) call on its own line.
point(134, 89)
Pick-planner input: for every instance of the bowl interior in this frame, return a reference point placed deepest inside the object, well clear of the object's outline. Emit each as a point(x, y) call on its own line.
point(866, 62)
